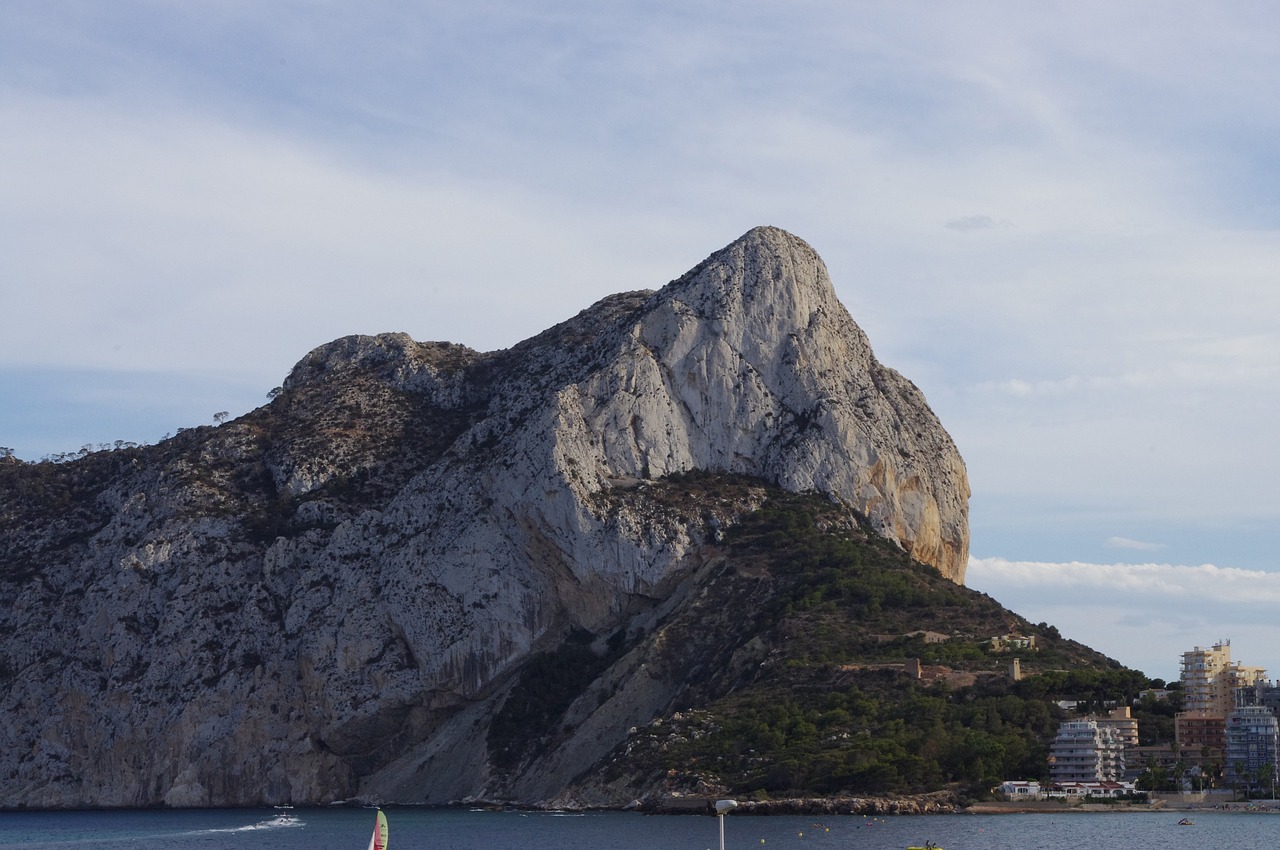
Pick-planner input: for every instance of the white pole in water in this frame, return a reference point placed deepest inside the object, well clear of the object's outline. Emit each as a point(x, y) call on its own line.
point(723, 806)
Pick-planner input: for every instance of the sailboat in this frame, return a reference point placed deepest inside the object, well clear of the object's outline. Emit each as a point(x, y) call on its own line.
point(378, 841)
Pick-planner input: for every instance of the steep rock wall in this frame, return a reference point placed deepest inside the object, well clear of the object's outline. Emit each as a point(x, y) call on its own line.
point(329, 596)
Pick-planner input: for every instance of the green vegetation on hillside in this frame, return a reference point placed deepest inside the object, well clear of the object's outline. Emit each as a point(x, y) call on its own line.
point(837, 709)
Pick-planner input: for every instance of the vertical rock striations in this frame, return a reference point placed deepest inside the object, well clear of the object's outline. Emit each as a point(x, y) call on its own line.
point(750, 364)
point(331, 595)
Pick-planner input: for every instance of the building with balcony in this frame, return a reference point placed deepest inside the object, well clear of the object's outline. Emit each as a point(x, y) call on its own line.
point(1263, 693)
point(1122, 721)
point(1210, 680)
point(1083, 751)
point(1252, 734)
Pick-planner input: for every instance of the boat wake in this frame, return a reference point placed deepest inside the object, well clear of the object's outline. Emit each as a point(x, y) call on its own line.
point(284, 820)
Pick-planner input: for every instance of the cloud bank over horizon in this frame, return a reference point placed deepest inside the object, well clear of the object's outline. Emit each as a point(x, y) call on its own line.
point(1144, 615)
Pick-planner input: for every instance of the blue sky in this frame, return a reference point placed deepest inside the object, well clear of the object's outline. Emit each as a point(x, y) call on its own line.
point(1059, 219)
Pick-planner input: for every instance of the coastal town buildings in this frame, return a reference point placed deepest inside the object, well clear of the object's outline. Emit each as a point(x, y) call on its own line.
point(1227, 737)
point(1121, 720)
point(1195, 733)
point(1023, 790)
point(1262, 693)
point(1210, 680)
point(1109, 789)
point(1252, 734)
point(1020, 789)
point(1084, 751)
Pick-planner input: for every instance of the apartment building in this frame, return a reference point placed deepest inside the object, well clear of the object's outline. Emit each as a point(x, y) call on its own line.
point(1122, 721)
point(1209, 683)
point(1263, 693)
point(1252, 734)
point(1084, 751)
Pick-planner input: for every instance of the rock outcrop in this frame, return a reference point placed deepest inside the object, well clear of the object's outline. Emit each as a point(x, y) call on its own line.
point(329, 597)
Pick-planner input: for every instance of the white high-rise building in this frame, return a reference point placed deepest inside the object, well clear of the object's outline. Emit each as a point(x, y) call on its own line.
point(1083, 751)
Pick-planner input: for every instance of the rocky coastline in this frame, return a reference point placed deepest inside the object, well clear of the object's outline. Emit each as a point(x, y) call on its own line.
point(936, 803)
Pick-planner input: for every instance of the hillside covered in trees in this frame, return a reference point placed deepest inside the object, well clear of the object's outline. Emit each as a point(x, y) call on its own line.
point(870, 674)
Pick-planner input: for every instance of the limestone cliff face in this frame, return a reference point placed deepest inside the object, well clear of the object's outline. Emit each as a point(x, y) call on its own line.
point(327, 597)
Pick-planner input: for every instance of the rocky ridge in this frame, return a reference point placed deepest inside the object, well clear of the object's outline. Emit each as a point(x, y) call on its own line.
point(333, 595)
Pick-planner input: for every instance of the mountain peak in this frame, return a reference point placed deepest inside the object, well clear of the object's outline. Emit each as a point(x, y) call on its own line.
point(763, 262)
point(755, 367)
point(331, 595)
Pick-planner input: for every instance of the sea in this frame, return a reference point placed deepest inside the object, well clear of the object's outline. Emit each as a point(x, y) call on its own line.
point(453, 829)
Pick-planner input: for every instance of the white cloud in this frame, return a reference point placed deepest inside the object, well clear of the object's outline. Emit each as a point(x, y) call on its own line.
point(1205, 583)
point(166, 241)
point(1144, 615)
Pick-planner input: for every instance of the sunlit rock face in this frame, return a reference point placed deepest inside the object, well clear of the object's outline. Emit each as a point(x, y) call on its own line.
point(326, 598)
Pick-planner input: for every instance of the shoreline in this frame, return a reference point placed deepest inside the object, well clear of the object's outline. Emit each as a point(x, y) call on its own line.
point(945, 803)
point(935, 803)
point(1254, 807)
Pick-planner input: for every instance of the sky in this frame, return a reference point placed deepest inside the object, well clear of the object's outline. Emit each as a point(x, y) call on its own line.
point(1060, 220)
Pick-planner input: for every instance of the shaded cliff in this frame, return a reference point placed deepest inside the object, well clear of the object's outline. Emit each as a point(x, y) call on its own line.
point(335, 594)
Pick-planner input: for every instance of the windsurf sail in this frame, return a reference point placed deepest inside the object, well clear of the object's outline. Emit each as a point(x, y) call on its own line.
point(378, 841)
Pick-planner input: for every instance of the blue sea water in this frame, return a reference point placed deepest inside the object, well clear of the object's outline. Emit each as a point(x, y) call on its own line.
point(433, 829)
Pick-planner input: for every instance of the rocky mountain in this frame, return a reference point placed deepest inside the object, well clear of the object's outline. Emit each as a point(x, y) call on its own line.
point(340, 594)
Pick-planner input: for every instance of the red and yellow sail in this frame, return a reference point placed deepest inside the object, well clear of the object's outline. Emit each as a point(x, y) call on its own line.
point(379, 839)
